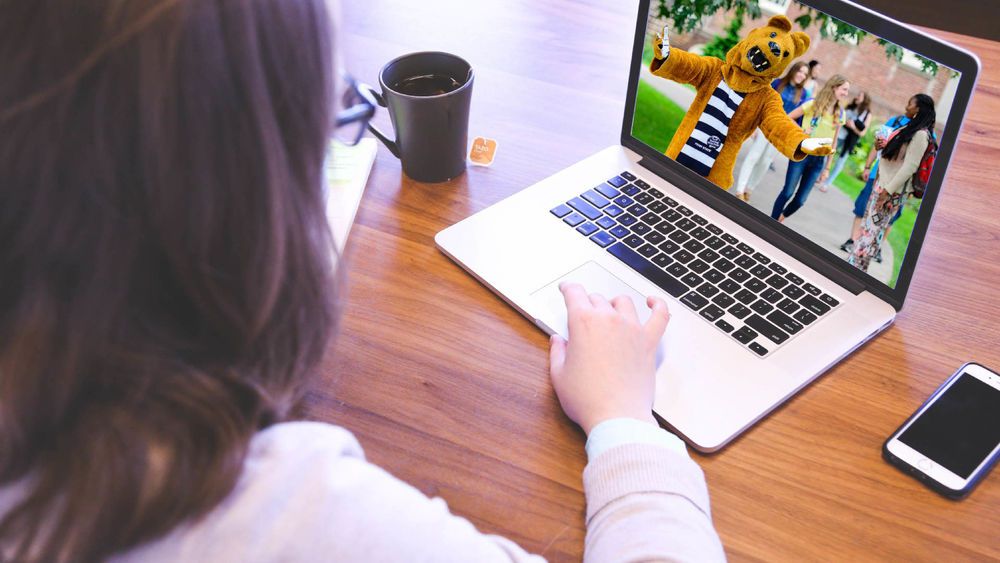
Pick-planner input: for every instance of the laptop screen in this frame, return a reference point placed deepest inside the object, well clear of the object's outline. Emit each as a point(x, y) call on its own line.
point(743, 96)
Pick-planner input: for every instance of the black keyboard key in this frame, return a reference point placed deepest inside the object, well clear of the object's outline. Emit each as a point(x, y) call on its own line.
point(623, 201)
point(708, 255)
point(655, 193)
point(595, 198)
point(628, 175)
point(745, 297)
point(761, 307)
point(745, 248)
point(771, 295)
point(761, 271)
point(574, 219)
point(722, 324)
point(641, 228)
point(730, 252)
point(637, 210)
point(757, 349)
point(683, 256)
point(686, 224)
point(561, 210)
point(745, 262)
point(693, 246)
point(607, 190)
point(642, 184)
point(648, 250)
point(679, 236)
point(776, 281)
point(761, 258)
point(684, 211)
point(606, 223)
point(692, 279)
point(755, 285)
point(627, 219)
point(739, 311)
point(587, 229)
point(793, 291)
point(712, 313)
point(829, 300)
point(644, 198)
point(633, 241)
point(699, 219)
point(657, 207)
point(602, 239)
point(664, 227)
point(729, 286)
point(654, 238)
point(694, 301)
point(724, 265)
point(723, 300)
point(669, 247)
point(730, 238)
point(744, 335)
point(613, 211)
point(714, 276)
point(669, 201)
point(635, 261)
point(740, 275)
point(763, 326)
point(620, 231)
point(651, 218)
point(714, 229)
point(804, 317)
point(700, 233)
point(715, 243)
point(788, 306)
point(617, 181)
point(707, 289)
point(778, 268)
point(814, 305)
point(784, 322)
point(698, 267)
point(585, 209)
point(812, 289)
point(671, 215)
point(794, 279)
point(677, 269)
point(662, 260)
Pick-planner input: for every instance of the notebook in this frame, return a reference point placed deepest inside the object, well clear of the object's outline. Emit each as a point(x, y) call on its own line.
point(759, 307)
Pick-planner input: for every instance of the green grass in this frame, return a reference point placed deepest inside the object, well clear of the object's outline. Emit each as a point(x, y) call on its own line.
point(656, 117)
point(899, 237)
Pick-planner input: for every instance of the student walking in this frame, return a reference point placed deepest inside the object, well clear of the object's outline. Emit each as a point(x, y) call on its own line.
point(857, 118)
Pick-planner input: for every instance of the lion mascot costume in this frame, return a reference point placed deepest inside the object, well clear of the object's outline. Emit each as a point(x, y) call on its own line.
point(734, 97)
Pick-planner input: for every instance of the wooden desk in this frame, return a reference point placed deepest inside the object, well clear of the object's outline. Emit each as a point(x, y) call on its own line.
point(447, 387)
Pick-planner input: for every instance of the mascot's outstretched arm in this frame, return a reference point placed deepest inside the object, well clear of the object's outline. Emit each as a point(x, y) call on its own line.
point(676, 64)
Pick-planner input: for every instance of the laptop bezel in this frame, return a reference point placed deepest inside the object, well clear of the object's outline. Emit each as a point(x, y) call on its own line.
point(796, 245)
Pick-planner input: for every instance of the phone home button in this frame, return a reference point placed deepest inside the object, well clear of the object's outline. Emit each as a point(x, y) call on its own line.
point(924, 465)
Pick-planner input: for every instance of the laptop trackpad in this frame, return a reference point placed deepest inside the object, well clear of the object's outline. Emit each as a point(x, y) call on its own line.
point(594, 279)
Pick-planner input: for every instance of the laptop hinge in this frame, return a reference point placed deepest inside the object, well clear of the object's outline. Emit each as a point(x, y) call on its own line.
point(792, 243)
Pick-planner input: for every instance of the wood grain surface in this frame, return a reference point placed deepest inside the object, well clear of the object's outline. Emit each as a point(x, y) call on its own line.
point(447, 387)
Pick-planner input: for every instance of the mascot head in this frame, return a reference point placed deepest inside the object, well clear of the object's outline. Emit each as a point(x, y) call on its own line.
point(766, 51)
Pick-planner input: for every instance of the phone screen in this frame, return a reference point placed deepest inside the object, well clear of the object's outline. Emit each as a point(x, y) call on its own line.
point(961, 428)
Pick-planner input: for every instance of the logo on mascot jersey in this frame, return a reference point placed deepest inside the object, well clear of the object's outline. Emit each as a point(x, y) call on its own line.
point(714, 142)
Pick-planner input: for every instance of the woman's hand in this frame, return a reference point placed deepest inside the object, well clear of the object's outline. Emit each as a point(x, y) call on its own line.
point(606, 369)
point(823, 176)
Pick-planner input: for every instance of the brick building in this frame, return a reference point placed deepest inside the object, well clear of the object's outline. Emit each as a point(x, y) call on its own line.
point(889, 82)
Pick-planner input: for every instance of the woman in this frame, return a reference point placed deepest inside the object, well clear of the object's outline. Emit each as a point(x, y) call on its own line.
point(814, 67)
point(900, 159)
point(857, 119)
point(166, 292)
point(762, 152)
point(822, 118)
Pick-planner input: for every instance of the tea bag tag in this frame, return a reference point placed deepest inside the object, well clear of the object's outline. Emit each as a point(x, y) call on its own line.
point(483, 151)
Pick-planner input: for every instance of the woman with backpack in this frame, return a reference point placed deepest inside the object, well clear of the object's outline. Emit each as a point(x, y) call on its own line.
point(905, 150)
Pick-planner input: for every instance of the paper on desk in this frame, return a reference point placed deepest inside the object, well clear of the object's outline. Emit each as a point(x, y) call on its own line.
point(346, 175)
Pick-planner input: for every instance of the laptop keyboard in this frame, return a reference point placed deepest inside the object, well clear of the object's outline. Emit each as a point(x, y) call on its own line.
point(746, 294)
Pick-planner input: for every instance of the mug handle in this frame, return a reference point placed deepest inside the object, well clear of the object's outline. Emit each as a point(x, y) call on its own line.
point(389, 143)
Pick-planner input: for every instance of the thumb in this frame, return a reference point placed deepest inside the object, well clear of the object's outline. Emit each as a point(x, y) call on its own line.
point(557, 355)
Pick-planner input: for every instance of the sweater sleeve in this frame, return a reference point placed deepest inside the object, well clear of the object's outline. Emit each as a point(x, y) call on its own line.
point(914, 153)
point(646, 503)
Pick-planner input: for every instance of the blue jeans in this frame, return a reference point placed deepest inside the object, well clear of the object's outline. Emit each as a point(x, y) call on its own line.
point(862, 201)
point(801, 175)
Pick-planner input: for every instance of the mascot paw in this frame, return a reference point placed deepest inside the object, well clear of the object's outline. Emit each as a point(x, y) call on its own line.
point(817, 147)
point(661, 43)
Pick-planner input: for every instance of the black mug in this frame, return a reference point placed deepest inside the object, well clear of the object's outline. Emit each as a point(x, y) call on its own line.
point(428, 96)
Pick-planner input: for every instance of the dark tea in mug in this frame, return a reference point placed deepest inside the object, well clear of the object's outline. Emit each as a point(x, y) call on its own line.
point(426, 85)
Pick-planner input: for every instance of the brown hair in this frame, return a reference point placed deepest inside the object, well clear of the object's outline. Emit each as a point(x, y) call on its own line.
point(166, 267)
point(787, 79)
point(866, 102)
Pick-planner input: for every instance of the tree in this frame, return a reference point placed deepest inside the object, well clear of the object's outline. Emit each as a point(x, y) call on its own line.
point(720, 45)
point(686, 16)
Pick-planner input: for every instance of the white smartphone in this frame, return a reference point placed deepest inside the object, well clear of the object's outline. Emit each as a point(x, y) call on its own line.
point(953, 439)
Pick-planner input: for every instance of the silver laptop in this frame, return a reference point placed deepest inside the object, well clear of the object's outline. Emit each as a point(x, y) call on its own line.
point(759, 308)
